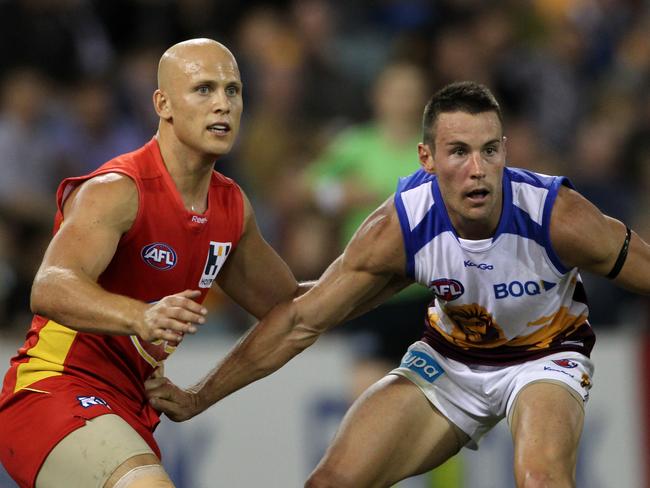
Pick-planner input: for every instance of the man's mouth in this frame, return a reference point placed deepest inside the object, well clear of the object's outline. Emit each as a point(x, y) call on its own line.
point(479, 194)
point(219, 128)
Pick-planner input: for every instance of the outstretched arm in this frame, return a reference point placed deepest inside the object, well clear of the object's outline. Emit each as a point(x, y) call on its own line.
point(584, 237)
point(372, 263)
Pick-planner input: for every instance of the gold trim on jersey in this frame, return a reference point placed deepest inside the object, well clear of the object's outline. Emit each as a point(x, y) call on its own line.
point(552, 326)
point(47, 357)
point(475, 328)
point(167, 348)
point(145, 355)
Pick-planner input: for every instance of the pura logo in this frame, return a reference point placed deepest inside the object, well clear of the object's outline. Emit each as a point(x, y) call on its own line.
point(159, 255)
point(422, 364)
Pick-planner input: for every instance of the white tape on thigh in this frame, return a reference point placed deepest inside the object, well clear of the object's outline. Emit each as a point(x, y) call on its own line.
point(140, 472)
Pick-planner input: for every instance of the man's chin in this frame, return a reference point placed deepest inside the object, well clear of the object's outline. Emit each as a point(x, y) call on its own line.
point(218, 150)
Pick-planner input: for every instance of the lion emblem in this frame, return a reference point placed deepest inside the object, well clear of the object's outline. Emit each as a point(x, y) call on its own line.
point(474, 326)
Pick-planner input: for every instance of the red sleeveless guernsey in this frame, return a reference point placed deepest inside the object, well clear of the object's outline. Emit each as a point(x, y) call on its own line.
point(167, 250)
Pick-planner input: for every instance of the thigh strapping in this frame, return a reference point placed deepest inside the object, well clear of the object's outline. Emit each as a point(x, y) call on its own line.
point(90, 454)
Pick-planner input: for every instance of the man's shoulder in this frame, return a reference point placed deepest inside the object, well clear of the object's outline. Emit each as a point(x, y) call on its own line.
point(219, 179)
point(414, 180)
point(540, 180)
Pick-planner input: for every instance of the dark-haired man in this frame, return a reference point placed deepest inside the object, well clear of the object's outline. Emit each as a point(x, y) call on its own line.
point(507, 335)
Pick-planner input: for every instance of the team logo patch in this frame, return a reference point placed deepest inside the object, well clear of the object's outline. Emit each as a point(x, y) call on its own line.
point(217, 255)
point(422, 364)
point(447, 289)
point(91, 401)
point(159, 255)
point(474, 326)
point(565, 363)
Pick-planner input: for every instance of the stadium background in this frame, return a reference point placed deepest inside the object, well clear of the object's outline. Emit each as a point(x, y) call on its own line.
point(76, 79)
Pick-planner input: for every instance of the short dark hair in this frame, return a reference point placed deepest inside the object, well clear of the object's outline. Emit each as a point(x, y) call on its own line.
point(461, 96)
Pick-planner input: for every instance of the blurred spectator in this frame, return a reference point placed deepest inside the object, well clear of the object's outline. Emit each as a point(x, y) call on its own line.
point(543, 84)
point(29, 156)
point(525, 150)
point(335, 61)
point(95, 130)
point(573, 78)
point(358, 170)
point(135, 84)
point(64, 38)
point(30, 164)
point(278, 139)
point(597, 175)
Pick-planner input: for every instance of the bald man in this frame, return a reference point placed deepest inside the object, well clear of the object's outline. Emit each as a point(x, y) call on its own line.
point(136, 247)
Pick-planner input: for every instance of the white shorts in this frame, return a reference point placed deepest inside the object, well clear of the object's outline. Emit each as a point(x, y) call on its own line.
point(477, 397)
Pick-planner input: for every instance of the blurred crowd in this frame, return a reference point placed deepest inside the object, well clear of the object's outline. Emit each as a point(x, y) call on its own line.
point(333, 92)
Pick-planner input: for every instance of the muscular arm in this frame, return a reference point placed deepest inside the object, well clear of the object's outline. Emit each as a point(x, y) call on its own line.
point(254, 276)
point(584, 237)
point(372, 263)
point(65, 288)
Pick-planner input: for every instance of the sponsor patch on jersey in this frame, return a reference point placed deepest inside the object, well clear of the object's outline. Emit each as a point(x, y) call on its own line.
point(422, 364)
point(565, 363)
point(482, 266)
point(217, 255)
point(548, 368)
point(159, 255)
point(92, 401)
point(447, 289)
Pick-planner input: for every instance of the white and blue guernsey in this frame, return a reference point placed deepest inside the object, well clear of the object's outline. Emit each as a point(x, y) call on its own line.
point(500, 300)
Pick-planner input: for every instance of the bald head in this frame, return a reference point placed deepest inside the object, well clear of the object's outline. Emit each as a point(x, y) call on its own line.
point(199, 99)
point(189, 57)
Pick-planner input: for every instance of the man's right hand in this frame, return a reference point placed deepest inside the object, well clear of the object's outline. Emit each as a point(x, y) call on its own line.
point(172, 317)
point(178, 404)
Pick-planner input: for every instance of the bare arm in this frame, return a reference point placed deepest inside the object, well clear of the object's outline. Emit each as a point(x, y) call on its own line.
point(372, 263)
point(584, 237)
point(254, 275)
point(65, 289)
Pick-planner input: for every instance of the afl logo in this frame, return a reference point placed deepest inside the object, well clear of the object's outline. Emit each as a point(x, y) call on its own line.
point(447, 289)
point(159, 255)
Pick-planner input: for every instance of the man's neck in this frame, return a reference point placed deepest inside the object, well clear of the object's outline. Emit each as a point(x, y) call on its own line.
point(190, 172)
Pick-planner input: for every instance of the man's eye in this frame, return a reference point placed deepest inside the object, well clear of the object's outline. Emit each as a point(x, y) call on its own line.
point(232, 91)
point(203, 90)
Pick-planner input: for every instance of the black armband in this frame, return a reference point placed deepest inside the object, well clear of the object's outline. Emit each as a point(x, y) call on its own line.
point(622, 255)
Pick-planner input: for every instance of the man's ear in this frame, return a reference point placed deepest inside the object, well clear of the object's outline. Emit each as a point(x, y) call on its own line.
point(161, 104)
point(425, 155)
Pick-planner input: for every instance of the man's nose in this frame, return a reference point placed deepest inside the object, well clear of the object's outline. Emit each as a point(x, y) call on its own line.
point(220, 102)
point(477, 164)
